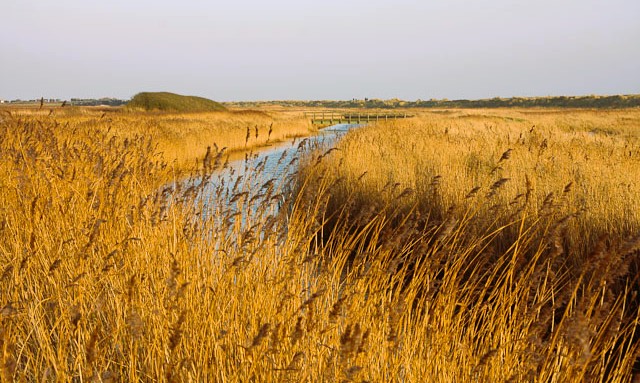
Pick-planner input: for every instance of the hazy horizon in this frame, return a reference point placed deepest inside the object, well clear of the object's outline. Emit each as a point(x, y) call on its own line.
point(335, 50)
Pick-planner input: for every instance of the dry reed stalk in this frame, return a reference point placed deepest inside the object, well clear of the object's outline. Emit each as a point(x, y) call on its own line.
point(378, 295)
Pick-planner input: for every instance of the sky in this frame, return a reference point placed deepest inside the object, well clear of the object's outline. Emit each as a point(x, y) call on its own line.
point(319, 50)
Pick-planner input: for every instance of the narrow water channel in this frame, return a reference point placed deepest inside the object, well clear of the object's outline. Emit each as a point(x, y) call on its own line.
point(275, 162)
point(278, 157)
point(256, 185)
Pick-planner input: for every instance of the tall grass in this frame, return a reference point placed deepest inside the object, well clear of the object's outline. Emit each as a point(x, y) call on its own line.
point(515, 235)
point(105, 277)
point(580, 165)
point(181, 137)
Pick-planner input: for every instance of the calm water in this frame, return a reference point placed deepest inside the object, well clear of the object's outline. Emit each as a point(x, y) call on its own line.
point(277, 162)
point(255, 185)
point(278, 157)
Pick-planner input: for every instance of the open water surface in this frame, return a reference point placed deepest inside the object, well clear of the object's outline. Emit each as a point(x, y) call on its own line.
point(274, 163)
point(256, 184)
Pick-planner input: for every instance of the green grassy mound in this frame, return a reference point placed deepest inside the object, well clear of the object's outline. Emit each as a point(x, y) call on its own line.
point(171, 102)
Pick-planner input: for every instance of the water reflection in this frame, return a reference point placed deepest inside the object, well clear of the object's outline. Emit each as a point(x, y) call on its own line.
point(253, 187)
point(272, 165)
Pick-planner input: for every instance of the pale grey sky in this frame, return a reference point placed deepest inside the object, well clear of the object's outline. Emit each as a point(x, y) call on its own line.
point(330, 49)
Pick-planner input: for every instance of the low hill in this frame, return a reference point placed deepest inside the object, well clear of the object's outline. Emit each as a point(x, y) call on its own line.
point(171, 102)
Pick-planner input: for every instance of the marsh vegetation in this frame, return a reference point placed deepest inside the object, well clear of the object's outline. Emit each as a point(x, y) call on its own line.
point(459, 246)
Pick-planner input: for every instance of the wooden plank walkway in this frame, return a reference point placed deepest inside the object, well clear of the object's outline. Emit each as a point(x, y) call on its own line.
point(327, 118)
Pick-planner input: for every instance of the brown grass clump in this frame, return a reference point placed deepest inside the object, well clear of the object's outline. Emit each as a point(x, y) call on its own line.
point(105, 276)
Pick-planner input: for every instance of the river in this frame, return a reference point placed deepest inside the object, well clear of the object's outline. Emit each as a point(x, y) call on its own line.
point(277, 158)
point(256, 184)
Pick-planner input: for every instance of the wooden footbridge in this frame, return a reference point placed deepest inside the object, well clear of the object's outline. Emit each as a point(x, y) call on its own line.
point(328, 118)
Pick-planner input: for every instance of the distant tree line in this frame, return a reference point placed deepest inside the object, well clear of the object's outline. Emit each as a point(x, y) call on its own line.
point(97, 102)
point(595, 102)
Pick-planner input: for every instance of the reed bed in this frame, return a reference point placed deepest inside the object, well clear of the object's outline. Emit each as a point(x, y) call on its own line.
point(581, 165)
point(516, 234)
point(106, 277)
point(181, 137)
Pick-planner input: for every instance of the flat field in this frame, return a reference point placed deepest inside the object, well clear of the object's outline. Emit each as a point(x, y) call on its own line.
point(460, 245)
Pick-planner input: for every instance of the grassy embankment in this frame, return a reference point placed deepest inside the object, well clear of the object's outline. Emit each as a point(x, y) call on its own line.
point(105, 277)
point(171, 102)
